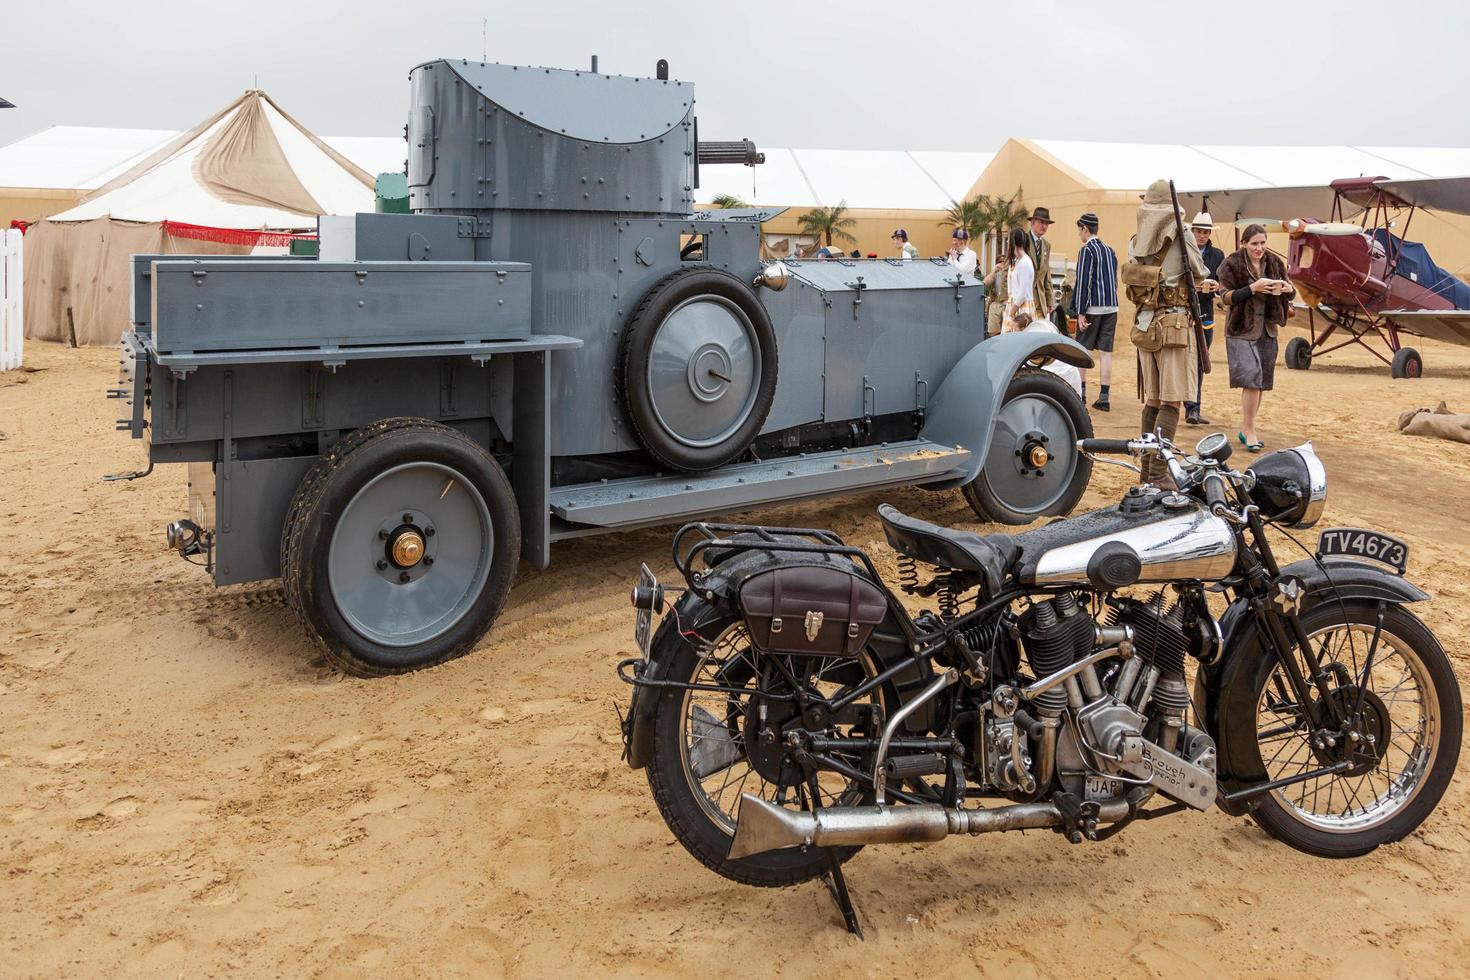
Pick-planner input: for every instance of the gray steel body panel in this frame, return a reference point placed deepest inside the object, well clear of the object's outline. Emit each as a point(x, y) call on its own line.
point(627, 503)
point(140, 295)
point(251, 497)
point(334, 357)
point(225, 304)
point(489, 136)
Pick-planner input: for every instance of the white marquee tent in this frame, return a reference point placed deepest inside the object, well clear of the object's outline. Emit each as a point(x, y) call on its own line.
point(248, 176)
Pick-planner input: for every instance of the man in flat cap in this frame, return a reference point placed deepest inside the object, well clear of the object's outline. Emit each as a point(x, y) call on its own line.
point(1096, 298)
point(1163, 332)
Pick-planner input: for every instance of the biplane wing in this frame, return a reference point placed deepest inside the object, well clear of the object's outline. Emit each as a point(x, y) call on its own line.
point(1451, 326)
point(1451, 194)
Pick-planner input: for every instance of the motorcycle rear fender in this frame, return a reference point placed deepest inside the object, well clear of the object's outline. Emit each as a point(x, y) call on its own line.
point(1222, 691)
point(691, 611)
point(963, 409)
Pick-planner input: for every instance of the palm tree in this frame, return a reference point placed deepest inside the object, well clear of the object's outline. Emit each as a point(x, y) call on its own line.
point(1001, 215)
point(728, 201)
point(971, 214)
point(828, 223)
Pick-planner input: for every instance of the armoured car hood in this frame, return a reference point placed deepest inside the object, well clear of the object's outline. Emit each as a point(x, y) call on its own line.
point(594, 107)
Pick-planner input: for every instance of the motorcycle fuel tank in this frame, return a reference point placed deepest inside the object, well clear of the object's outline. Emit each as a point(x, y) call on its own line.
point(1174, 537)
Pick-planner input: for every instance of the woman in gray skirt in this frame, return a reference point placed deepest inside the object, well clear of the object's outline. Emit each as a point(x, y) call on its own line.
point(1257, 297)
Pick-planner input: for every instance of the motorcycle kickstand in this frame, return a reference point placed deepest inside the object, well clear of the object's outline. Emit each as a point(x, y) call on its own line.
point(837, 888)
point(834, 880)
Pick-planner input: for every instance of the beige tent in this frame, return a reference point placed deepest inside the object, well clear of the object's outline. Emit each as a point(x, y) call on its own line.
point(250, 176)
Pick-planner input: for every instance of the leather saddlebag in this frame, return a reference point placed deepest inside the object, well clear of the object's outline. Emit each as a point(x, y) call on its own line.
point(811, 609)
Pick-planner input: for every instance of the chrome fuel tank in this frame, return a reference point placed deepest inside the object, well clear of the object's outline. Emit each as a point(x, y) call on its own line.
point(1183, 541)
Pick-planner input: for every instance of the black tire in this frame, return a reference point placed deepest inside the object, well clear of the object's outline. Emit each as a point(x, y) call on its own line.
point(657, 437)
point(673, 793)
point(1407, 363)
point(325, 496)
point(1279, 819)
point(1298, 354)
point(987, 493)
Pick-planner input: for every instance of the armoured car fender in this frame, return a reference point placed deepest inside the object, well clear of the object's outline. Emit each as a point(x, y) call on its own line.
point(1222, 695)
point(967, 400)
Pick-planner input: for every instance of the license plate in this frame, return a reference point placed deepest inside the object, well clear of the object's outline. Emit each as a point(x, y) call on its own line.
point(643, 625)
point(1355, 542)
point(1102, 788)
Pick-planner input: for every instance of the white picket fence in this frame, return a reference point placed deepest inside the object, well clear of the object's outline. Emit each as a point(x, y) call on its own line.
point(12, 307)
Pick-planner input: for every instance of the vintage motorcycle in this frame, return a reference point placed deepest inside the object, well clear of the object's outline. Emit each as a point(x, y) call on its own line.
point(789, 709)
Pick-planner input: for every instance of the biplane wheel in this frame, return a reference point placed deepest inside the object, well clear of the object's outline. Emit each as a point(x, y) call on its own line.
point(1407, 363)
point(1298, 355)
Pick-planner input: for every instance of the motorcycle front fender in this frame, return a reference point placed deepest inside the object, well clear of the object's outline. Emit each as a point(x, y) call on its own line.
point(1222, 695)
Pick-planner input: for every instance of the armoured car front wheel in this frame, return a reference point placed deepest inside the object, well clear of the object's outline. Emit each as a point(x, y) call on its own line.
point(1033, 468)
point(400, 547)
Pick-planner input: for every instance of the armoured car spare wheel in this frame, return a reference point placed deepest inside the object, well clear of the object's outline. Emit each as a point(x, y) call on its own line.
point(400, 546)
point(697, 369)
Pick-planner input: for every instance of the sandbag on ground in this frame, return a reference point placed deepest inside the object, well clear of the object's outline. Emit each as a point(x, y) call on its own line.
point(1438, 423)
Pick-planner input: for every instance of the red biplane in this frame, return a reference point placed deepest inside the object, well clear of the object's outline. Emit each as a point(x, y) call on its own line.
point(1359, 278)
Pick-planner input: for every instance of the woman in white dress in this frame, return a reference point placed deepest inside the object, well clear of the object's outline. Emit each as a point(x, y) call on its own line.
point(1020, 308)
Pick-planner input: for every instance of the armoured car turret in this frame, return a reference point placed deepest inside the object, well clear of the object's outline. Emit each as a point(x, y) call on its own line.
point(556, 343)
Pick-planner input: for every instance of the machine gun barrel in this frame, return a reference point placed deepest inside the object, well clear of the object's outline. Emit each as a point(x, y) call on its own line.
point(742, 152)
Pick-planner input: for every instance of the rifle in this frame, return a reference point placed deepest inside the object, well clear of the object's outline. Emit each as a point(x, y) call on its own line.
point(1201, 352)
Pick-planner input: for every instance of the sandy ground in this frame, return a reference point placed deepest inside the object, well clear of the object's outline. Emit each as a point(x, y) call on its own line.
point(183, 791)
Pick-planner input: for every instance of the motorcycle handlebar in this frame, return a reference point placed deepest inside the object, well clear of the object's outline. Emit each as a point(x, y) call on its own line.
point(1120, 447)
point(1215, 492)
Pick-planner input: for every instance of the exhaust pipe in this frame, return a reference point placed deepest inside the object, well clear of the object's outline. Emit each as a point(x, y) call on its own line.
point(764, 826)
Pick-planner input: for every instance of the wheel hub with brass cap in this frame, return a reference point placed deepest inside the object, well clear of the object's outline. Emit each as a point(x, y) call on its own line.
point(405, 548)
point(1034, 453)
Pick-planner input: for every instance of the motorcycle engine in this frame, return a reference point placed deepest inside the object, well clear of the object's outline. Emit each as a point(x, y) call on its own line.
point(1128, 724)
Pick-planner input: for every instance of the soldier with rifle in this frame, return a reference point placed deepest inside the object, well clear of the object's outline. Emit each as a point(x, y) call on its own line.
point(1162, 276)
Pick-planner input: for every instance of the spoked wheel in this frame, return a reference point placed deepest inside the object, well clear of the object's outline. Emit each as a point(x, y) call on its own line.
point(1401, 753)
point(1033, 468)
point(709, 747)
point(400, 547)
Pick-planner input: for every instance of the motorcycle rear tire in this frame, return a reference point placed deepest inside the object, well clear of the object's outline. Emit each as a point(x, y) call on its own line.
point(673, 793)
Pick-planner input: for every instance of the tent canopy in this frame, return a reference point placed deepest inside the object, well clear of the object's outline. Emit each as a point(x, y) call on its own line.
point(920, 180)
point(249, 166)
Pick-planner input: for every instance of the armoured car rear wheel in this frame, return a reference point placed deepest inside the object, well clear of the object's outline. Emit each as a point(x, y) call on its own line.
point(1033, 468)
point(697, 371)
point(400, 547)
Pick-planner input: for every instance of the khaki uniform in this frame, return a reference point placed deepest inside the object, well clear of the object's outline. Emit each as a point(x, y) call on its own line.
point(1170, 374)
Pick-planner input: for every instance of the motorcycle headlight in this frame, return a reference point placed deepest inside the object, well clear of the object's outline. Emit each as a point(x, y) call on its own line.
point(1290, 486)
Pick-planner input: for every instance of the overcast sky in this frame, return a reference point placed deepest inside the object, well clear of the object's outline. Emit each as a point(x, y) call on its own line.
point(920, 74)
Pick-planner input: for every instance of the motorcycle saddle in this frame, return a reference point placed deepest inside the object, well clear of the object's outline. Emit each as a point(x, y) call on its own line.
point(993, 555)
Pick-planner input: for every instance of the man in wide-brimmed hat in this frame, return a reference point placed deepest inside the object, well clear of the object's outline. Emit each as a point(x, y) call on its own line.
point(1163, 333)
point(1040, 222)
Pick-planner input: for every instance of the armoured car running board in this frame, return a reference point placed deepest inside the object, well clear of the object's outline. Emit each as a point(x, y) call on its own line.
point(624, 503)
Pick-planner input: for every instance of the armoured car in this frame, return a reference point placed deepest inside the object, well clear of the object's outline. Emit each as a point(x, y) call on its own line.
point(555, 342)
